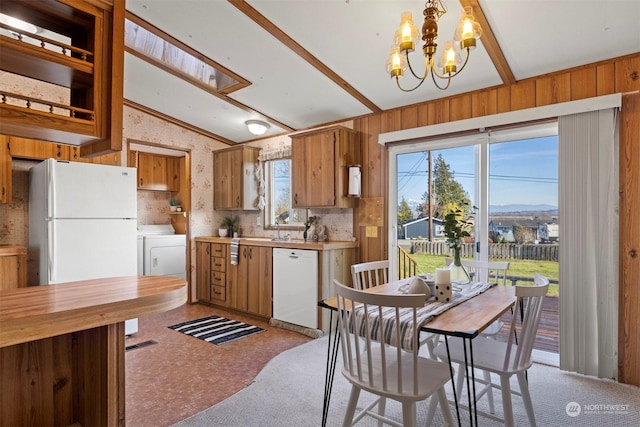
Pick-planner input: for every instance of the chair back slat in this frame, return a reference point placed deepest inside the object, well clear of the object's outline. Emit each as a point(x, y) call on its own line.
point(368, 274)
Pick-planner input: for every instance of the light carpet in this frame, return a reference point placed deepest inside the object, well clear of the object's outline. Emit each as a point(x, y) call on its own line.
point(289, 391)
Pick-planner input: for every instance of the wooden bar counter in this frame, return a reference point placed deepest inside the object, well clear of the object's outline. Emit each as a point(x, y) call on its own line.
point(62, 348)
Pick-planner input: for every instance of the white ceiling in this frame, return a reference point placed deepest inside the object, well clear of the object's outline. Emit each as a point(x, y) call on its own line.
point(352, 38)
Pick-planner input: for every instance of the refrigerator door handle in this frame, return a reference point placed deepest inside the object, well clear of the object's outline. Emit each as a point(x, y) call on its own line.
point(51, 254)
point(50, 182)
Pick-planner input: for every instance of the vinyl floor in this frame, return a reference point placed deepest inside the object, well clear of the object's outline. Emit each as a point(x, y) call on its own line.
point(171, 376)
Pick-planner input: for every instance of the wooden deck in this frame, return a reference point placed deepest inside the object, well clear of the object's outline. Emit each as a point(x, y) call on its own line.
point(548, 330)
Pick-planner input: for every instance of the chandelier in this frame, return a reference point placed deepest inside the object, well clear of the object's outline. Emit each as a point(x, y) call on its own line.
point(407, 36)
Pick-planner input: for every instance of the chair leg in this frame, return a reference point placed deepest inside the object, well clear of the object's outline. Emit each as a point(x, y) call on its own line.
point(487, 378)
point(351, 407)
point(444, 407)
point(526, 397)
point(409, 414)
point(381, 409)
point(431, 412)
point(506, 400)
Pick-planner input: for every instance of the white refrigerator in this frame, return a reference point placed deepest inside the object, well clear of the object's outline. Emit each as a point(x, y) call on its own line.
point(82, 222)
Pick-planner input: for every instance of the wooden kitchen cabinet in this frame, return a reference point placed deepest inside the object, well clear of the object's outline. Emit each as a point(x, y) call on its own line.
point(211, 266)
point(155, 171)
point(319, 167)
point(13, 267)
point(250, 282)
point(90, 67)
point(245, 286)
point(24, 148)
point(234, 184)
point(203, 271)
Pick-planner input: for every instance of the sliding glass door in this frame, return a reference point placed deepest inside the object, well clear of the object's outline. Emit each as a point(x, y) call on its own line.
point(510, 176)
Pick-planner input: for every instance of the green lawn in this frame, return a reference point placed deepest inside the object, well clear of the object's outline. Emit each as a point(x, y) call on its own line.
point(429, 263)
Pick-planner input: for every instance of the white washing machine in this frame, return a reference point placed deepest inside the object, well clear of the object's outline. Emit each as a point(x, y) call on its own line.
point(161, 252)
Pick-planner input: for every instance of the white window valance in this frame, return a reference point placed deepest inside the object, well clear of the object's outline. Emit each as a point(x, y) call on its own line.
point(275, 153)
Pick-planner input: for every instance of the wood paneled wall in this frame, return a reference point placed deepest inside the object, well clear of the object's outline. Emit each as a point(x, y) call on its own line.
point(602, 78)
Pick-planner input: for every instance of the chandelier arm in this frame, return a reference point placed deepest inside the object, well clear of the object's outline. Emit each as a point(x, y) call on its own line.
point(435, 82)
point(426, 71)
point(452, 75)
point(413, 88)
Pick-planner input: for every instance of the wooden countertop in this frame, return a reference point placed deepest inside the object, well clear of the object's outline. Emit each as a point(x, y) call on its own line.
point(293, 244)
point(36, 312)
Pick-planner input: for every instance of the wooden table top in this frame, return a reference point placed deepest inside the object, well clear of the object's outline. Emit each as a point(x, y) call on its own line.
point(466, 319)
point(36, 312)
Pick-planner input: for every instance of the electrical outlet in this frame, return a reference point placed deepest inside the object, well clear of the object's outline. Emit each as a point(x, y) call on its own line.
point(258, 220)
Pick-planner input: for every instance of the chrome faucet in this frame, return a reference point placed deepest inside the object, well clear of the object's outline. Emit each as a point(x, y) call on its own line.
point(278, 228)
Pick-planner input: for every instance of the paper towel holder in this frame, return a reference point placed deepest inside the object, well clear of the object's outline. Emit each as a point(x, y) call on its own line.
point(355, 180)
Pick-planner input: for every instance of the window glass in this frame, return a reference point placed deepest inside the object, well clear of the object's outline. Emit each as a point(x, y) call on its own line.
point(278, 195)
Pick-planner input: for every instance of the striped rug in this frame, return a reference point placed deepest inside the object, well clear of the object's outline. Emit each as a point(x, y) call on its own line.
point(216, 330)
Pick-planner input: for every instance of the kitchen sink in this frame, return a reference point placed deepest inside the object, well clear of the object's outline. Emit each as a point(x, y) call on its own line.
point(267, 239)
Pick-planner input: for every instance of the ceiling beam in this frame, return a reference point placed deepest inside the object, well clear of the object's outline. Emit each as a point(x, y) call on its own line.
point(276, 32)
point(490, 43)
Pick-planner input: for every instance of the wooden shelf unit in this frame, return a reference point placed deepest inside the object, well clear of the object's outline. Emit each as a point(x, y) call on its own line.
point(91, 66)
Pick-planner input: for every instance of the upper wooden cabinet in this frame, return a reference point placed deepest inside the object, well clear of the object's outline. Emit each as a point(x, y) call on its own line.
point(319, 167)
point(234, 184)
point(89, 62)
point(155, 171)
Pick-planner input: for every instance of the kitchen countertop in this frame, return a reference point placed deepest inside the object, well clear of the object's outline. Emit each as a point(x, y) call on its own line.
point(293, 244)
point(36, 312)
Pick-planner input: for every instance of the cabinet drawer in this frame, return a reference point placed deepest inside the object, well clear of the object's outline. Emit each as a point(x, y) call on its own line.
point(219, 250)
point(218, 264)
point(218, 278)
point(218, 293)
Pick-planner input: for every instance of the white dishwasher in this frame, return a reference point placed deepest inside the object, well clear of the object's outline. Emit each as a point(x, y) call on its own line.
point(295, 286)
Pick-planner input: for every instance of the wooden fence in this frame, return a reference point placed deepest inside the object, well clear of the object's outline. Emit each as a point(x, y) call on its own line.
point(497, 251)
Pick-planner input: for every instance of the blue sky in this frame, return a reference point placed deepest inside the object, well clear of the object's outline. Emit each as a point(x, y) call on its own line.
point(521, 172)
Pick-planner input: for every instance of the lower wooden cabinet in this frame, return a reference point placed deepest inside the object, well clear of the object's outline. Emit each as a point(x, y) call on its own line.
point(13, 267)
point(245, 286)
point(250, 282)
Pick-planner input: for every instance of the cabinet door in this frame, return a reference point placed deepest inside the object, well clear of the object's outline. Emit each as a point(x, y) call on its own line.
point(227, 182)
point(13, 271)
point(260, 278)
point(152, 172)
point(203, 271)
point(241, 285)
point(313, 172)
point(5, 171)
point(39, 150)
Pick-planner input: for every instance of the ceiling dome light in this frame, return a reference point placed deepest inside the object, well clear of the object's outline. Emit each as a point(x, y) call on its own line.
point(257, 127)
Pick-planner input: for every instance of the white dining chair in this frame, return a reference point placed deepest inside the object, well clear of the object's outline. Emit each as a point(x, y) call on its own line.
point(368, 274)
point(506, 359)
point(386, 369)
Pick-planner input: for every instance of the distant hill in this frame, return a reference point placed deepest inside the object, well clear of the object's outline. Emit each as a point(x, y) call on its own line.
point(521, 208)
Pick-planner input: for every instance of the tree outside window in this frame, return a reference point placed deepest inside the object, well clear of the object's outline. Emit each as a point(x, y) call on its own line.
point(279, 206)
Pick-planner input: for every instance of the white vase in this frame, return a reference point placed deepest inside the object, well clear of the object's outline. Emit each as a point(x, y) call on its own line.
point(222, 232)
